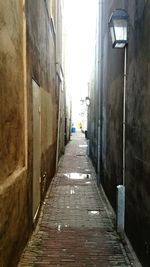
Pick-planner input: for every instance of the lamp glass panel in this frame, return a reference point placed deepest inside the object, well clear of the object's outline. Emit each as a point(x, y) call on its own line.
point(120, 27)
point(112, 34)
point(120, 45)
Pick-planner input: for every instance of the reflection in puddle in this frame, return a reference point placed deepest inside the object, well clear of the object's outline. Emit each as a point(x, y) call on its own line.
point(59, 227)
point(72, 191)
point(77, 176)
point(93, 212)
point(83, 145)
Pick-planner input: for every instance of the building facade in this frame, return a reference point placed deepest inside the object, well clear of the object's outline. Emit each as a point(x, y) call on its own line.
point(106, 119)
point(32, 95)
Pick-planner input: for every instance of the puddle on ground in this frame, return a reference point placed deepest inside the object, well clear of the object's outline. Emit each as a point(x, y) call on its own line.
point(87, 182)
point(77, 176)
point(59, 228)
point(83, 145)
point(72, 191)
point(93, 212)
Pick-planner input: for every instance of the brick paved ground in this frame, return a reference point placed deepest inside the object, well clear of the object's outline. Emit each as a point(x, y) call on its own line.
point(75, 227)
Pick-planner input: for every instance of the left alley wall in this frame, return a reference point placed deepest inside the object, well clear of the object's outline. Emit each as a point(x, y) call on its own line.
point(28, 119)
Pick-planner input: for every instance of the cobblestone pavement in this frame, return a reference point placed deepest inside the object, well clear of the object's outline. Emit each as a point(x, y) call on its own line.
point(75, 227)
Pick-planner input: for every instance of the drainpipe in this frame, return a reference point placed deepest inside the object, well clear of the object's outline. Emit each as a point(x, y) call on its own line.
point(99, 87)
point(121, 188)
point(124, 113)
point(58, 126)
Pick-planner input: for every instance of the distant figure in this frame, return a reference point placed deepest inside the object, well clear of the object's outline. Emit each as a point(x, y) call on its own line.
point(85, 134)
point(80, 125)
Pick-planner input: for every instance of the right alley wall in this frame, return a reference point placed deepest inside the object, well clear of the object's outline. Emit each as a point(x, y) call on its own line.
point(109, 84)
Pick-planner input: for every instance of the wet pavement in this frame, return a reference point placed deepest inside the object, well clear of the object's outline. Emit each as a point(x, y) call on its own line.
point(76, 226)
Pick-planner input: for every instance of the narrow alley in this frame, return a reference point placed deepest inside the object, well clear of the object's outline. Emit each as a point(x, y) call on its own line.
point(74, 133)
point(76, 223)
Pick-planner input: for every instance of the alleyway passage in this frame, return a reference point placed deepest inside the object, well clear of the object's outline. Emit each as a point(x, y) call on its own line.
point(75, 227)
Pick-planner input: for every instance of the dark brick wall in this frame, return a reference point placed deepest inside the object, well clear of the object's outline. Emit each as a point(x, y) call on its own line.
point(138, 127)
point(137, 121)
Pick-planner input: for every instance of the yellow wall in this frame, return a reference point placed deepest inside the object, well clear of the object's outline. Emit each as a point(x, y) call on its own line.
point(12, 119)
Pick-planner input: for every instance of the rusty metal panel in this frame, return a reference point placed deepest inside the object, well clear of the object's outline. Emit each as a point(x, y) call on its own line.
point(36, 147)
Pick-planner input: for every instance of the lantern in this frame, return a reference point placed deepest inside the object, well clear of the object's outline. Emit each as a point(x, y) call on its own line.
point(118, 25)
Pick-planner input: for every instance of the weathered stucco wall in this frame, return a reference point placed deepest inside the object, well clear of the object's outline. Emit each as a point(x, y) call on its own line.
point(12, 141)
point(13, 175)
point(24, 57)
point(14, 223)
point(137, 122)
point(41, 67)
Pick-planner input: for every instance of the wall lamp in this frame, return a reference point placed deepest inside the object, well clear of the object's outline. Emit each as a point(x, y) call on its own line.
point(88, 101)
point(118, 25)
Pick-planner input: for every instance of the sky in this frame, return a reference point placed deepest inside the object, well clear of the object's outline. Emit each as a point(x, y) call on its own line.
point(80, 19)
